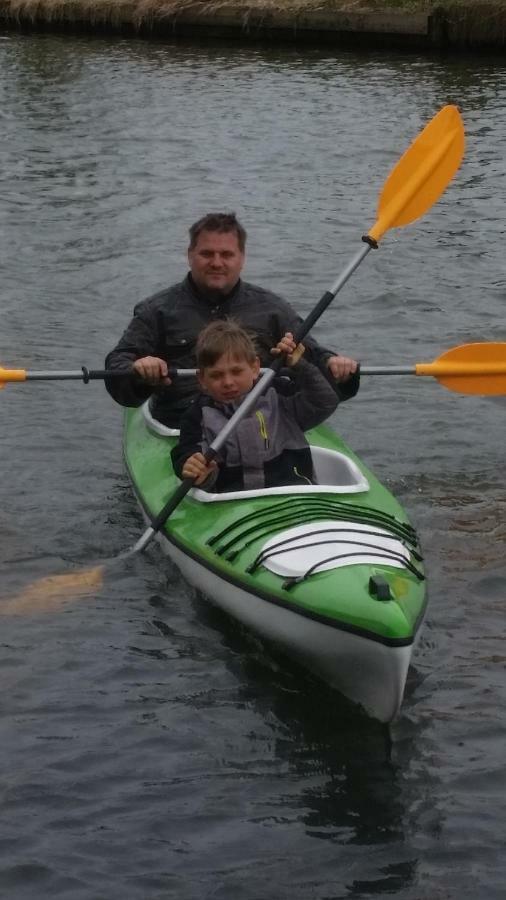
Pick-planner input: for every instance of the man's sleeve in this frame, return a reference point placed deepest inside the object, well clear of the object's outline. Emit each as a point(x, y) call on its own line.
point(139, 339)
point(289, 320)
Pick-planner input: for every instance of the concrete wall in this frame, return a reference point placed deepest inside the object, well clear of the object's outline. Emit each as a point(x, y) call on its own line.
point(455, 26)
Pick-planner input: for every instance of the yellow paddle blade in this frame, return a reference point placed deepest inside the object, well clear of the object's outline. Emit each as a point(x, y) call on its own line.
point(470, 369)
point(11, 375)
point(52, 592)
point(422, 173)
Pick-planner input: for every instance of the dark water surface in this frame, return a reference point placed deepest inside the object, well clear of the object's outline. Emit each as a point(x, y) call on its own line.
point(150, 748)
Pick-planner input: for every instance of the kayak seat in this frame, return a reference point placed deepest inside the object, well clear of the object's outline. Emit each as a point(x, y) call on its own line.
point(335, 473)
point(334, 468)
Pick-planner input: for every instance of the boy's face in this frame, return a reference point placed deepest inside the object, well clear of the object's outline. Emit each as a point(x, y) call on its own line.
point(229, 378)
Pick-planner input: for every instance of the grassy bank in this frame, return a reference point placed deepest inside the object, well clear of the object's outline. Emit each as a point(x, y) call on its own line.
point(402, 23)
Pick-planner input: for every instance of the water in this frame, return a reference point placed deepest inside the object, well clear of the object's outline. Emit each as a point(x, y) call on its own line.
point(151, 748)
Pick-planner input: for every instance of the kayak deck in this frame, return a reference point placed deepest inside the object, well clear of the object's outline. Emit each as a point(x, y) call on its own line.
point(364, 571)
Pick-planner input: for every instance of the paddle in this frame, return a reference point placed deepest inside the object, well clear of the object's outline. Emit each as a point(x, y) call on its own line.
point(468, 369)
point(83, 374)
point(412, 187)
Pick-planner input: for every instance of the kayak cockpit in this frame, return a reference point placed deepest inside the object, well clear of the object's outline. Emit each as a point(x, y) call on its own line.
point(335, 472)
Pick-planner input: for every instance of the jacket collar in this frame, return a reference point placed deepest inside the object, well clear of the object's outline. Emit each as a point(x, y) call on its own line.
point(211, 298)
point(228, 409)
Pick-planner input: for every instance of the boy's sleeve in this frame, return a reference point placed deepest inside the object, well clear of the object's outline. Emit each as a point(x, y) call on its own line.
point(314, 400)
point(190, 438)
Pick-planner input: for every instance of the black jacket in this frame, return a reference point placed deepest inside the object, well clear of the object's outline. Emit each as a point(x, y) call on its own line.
point(167, 325)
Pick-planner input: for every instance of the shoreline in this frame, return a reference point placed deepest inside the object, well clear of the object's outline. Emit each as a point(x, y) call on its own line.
point(456, 26)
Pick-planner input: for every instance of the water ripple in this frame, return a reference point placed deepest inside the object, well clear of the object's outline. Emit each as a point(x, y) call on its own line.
point(153, 748)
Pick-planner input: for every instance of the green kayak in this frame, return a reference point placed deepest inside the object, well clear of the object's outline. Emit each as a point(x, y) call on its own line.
point(332, 573)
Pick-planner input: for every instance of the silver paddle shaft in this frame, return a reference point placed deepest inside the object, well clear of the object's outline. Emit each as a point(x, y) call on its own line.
point(95, 375)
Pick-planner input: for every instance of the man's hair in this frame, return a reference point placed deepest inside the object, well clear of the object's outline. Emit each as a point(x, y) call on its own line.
point(223, 223)
point(219, 338)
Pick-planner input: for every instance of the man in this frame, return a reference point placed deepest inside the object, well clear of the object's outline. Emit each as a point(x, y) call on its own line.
point(165, 327)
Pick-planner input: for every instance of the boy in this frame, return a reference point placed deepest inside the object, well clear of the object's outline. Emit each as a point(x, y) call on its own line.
point(268, 448)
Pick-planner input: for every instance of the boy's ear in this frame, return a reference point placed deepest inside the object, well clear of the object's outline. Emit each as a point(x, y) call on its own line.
point(256, 366)
point(200, 376)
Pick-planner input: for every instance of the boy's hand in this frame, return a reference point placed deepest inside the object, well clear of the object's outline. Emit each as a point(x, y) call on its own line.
point(196, 467)
point(288, 346)
point(152, 369)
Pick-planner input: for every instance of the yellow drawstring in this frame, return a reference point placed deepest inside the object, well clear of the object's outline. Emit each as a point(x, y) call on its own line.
point(263, 427)
point(303, 477)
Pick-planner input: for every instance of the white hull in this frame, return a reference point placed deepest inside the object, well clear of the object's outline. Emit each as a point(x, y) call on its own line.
point(366, 671)
point(358, 664)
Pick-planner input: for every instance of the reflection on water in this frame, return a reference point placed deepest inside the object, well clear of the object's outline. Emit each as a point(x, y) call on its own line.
point(343, 777)
point(153, 748)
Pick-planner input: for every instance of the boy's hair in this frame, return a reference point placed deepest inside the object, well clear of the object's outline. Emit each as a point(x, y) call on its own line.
point(219, 338)
point(220, 222)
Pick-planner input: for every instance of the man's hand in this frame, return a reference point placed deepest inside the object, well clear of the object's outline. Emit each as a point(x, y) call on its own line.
point(152, 369)
point(341, 367)
point(196, 467)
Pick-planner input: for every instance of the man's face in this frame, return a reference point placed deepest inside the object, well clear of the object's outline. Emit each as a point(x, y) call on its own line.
point(216, 261)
